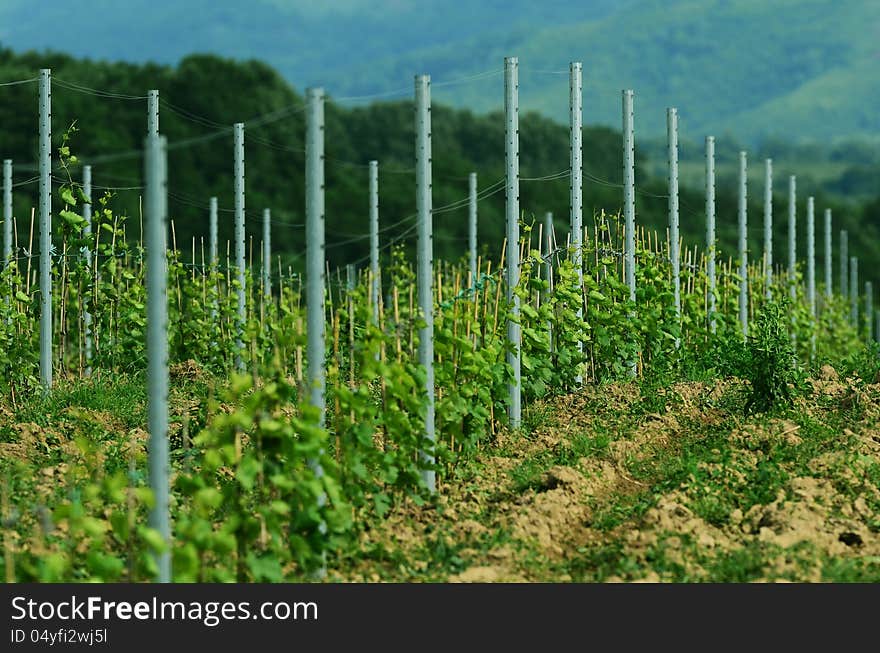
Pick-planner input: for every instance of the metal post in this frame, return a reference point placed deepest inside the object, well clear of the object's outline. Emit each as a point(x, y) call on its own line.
point(212, 254)
point(152, 112)
point(576, 185)
point(425, 263)
point(87, 254)
point(844, 261)
point(811, 255)
point(238, 190)
point(472, 226)
point(768, 226)
point(212, 232)
point(629, 206)
point(869, 309)
point(629, 192)
point(45, 229)
point(674, 238)
point(315, 281)
point(854, 291)
point(710, 228)
point(155, 212)
point(827, 225)
point(877, 324)
point(742, 226)
point(375, 283)
point(811, 270)
point(316, 371)
point(267, 253)
point(511, 153)
point(547, 248)
point(7, 211)
point(792, 236)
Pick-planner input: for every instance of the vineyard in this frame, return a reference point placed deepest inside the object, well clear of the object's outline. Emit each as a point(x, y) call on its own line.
point(192, 413)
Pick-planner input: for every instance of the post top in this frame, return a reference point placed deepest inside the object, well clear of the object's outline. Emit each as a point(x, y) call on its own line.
point(423, 78)
point(374, 163)
point(239, 126)
point(315, 92)
point(511, 61)
point(576, 65)
point(45, 71)
point(7, 162)
point(710, 139)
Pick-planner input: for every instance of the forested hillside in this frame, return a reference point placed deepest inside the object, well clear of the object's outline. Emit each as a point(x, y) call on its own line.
point(800, 70)
point(204, 95)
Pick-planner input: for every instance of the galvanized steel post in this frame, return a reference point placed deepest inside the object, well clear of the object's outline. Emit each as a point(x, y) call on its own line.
point(811, 255)
point(827, 226)
point(7, 211)
point(316, 370)
point(267, 253)
point(674, 238)
point(768, 227)
point(238, 190)
point(315, 280)
point(710, 228)
point(87, 254)
point(877, 324)
point(547, 247)
point(743, 248)
point(511, 155)
point(153, 112)
point(156, 213)
point(854, 292)
point(212, 232)
point(472, 227)
point(425, 262)
point(629, 205)
point(869, 309)
point(792, 236)
point(576, 110)
point(844, 262)
point(45, 228)
point(375, 283)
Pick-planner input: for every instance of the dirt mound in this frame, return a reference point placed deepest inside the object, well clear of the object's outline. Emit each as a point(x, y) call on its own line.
point(549, 515)
point(754, 436)
point(656, 432)
point(828, 373)
point(487, 574)
point(815, 514)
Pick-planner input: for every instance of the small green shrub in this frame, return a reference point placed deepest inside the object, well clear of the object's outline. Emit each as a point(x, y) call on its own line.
point(771, 368)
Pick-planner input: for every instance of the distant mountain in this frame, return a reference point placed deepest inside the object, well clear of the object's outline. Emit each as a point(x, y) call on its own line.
point(796, 70)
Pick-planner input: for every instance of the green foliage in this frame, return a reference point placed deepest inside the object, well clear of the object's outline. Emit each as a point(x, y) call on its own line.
point(263, 502)
point(772, 368)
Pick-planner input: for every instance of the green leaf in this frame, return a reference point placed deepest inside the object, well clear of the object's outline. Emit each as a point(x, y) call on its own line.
point(71, 218)
point(67, 196)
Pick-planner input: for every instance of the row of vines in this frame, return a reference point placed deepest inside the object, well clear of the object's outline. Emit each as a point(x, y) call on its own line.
point(248, 503)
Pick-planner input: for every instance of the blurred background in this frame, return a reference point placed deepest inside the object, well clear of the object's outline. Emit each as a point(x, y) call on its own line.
point(795, 80)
